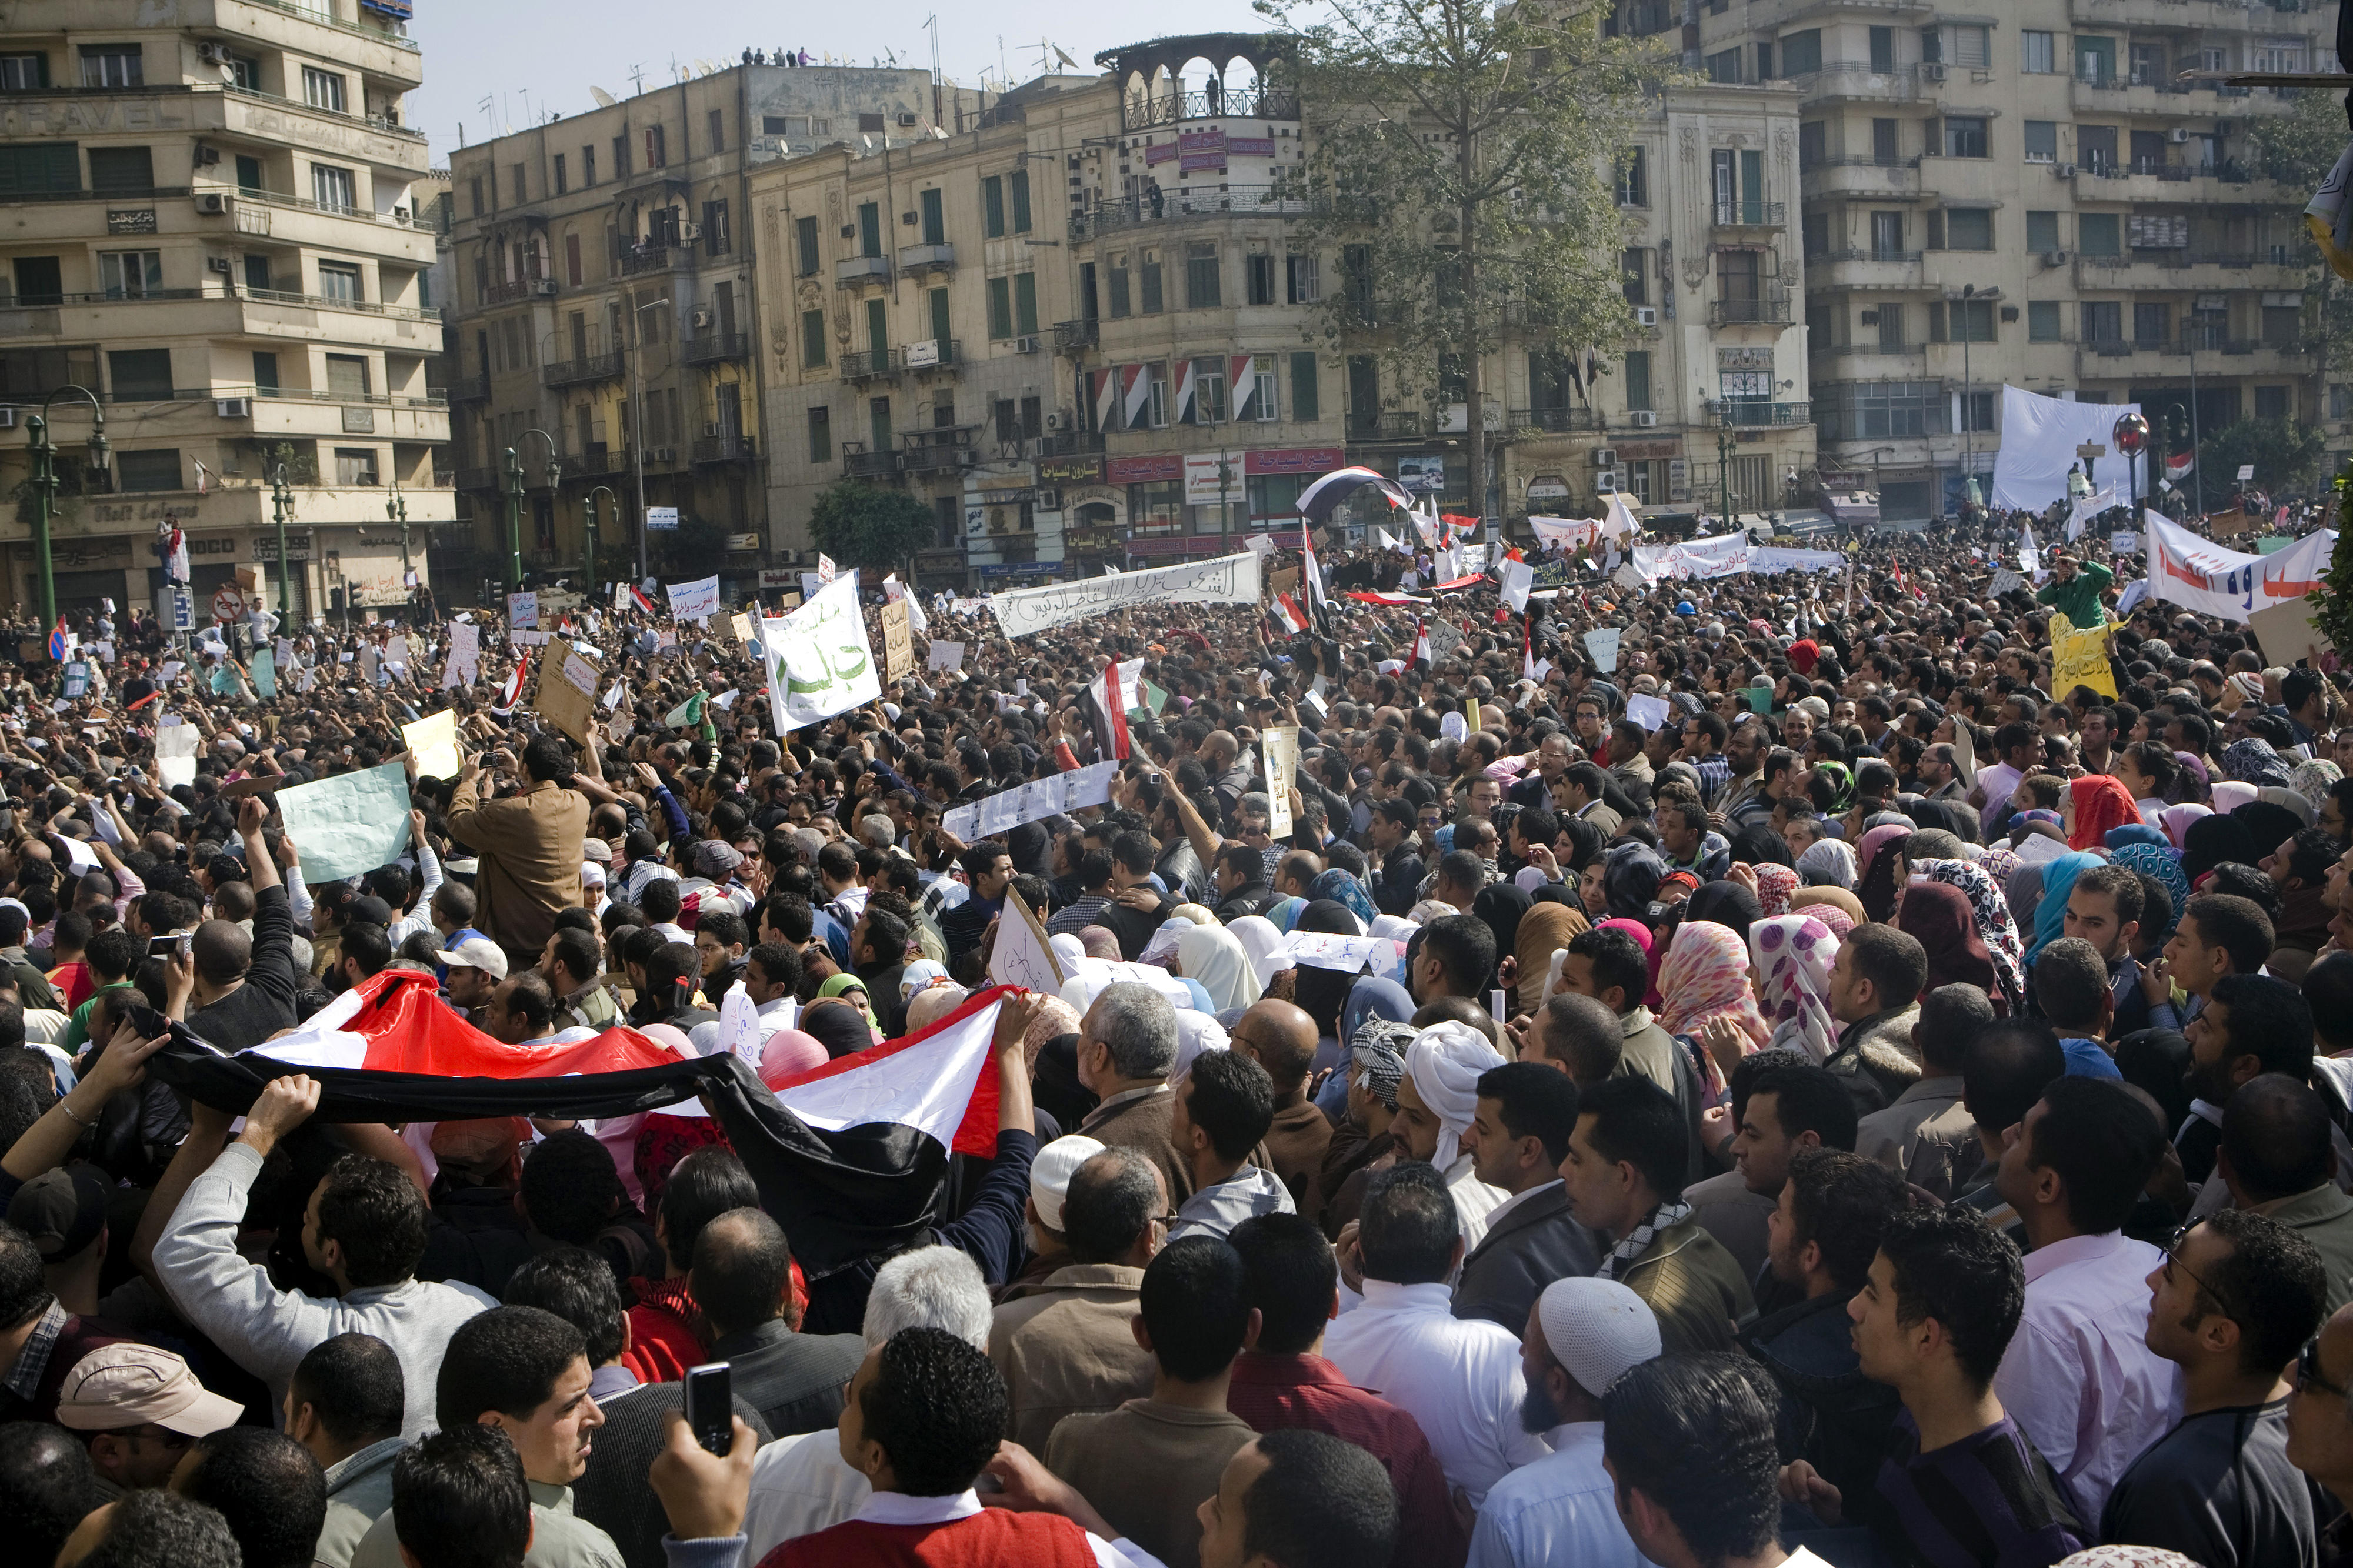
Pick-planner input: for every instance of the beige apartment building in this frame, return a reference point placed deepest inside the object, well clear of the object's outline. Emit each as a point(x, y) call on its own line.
point(603, 314)
point(2032, 195)
point(215, 227)
point(1090, 332)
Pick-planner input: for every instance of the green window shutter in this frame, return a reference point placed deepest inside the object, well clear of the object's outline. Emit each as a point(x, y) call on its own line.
point(1305, 407)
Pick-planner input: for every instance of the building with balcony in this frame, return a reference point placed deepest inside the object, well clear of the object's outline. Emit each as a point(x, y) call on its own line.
point(219, 227)
point(2039, 196)
point(605, 296)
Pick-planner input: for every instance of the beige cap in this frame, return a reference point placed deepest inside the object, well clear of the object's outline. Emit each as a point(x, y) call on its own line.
point(130, 1384)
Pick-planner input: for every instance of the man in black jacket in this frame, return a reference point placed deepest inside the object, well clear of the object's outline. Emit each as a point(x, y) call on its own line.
point(742, 1280)
point(1525, 1112)
point(1398, 886)
point(235, 991)
point(1241, 876)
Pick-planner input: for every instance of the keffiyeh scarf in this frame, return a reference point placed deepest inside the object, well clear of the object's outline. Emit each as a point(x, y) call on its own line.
point(1673, 1212)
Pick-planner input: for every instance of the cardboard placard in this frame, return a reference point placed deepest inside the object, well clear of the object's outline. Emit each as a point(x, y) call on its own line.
point(898, 642)
point(1282, 581)
point(1022, 955)
point(2289, 634)
point(1280, 747)
point(2080, 658)
point(563, 701)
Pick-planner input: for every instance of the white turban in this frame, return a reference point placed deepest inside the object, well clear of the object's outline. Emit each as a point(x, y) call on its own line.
point(1444, 1063)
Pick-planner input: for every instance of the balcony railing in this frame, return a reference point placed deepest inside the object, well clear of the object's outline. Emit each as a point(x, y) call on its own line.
point(1139, 111)
point(936, 451)
point(480, 478)
point(594, 465)
point(640, 259)
point(509, 289)
point(376, 122)
point(1551, 421)
point(265, 296)
point(867, 365)
point(313, 14)
point(2173, 261)
point(336, 302)
point(1757, 412)
point(470, 389)
point(1388, 424)
point(854, 270)
point(1070, 337)
point(861, 464)
point(736, 449)
point(1749, 214)
point(304, 204)
point(1883, 257)
point(710, 348)
point(926, 257)
point(575, 371)
point(1180, 205)
point(1748, 312)
point(1860, 79)
point(1070, 444)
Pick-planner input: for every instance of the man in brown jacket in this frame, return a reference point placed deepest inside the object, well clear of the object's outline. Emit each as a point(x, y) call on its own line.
point(1281, 1038)
point(1127, 1044)
point(1067, 1345)
point(530, 848)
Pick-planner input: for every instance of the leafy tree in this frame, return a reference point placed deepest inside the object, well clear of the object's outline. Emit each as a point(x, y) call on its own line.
point(693, 546)
point(872, 526)
point(2285, 454)
point(1464, 171)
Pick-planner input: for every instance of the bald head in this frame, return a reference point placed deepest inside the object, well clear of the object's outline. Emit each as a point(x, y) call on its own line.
point(1579, 1036)
point(222, 953)
point(1281, 1038)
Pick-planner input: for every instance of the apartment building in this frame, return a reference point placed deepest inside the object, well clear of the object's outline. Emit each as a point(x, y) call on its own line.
point(216, 232)
point(605, 318)
point(2035, 196)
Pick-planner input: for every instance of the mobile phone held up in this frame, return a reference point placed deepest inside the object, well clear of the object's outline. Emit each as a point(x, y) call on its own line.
point(711, 1406)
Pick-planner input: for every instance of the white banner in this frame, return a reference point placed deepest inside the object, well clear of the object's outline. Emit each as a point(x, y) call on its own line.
point(694, 601)
point(2093, 505)
point(819, 663)
point(1008, 809)
point(1519, 577)
point(2124, 541)
point(1724, 556)
point(2199, 574)
point(1767, 558)
point(2038, 440)
point(1227, 579)
point(1569, 533)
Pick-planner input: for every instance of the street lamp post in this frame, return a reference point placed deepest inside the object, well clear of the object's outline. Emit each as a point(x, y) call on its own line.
point(46, 483)
point(395, 511)
point(2130, 434)
point(1723, 459)
point(514, 502)
point(1967, 331)
point(281, 502)
point(637, 415)
point(588, 535)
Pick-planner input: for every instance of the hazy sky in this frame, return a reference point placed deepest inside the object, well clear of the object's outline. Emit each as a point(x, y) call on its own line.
point(527, 56)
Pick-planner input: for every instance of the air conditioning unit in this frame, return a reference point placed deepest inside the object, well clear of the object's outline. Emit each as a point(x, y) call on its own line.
point(214, 54)
point(2177, 135)
point(212, 202)
point(1027, 345)
point(1603, 457)
point(206, 156)
point(662, 455)
point(1047, 501)
point(2064, 171)
point(2054, 258)
point(220, 264)
point(1606, 482)
point(1869, 317)
point(906, 119)
point(1644, 418)
point(7, 419)
point(688, 233)
point(1057, 420)
point(544, 287)
point(1646, 315)
point(701, 319)
point(711, 431)
point(233, 407)
point(400, 215)
point(1932, 70)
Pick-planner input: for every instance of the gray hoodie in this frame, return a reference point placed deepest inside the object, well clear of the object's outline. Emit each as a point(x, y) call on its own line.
point(1216, 1210)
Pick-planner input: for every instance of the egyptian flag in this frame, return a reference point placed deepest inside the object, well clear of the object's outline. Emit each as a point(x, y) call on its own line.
point(1527, 652)
point(637, 596)
point(511, 693)
point(1420, 644)
point(1288, 614)
point(1374, 596)
point(851, 1158)
point(1107, 704)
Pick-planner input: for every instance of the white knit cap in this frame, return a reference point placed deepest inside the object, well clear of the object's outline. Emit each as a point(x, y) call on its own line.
point(1051, 1174)
point(1444, 1061)
point(1596, 1329)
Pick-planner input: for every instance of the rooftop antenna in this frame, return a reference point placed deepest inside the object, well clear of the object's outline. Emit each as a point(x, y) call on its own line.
point(637, 80)
point(1002, 73)
point(604, 100)
point(931, 25)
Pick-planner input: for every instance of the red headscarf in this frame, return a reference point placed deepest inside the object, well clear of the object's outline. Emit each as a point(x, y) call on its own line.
point(2101, 803)
point(1940, 917)
point(1802, 655)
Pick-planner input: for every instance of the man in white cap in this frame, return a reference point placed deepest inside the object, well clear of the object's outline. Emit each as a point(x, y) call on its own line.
point(476, 966)
point(1050, 1185)
point(1437, 1100)
point(1582, 1336)
point(141, 1408)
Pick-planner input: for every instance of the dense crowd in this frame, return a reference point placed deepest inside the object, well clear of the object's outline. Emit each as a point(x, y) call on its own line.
point(1793, 1087)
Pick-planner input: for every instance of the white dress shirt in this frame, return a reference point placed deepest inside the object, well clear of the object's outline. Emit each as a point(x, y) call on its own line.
point(2079, 1377)
point(1475, 1202)
point(898, 1508)
point(1459, 1377)
point(1560, 1509)
point(800, 1485)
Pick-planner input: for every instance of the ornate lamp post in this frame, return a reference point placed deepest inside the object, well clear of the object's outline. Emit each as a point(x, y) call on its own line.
point(45, 482)
point(514, 502)
point(2131, 437)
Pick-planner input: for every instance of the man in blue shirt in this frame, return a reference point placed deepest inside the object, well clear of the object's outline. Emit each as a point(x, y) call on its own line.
point(2071, 986)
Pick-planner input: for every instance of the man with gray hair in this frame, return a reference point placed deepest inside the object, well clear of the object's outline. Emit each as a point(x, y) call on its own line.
point(1127, 1048)
point(800, 1484)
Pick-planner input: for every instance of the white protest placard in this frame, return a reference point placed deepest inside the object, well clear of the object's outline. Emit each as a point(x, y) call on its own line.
point(1041, 798)
point(1022, 955)
point(1348, 954)
point(433, 741)
point(1519, 578)
point(2124, 541)
point(1280, 747)
point(531, 638)
point(695, 601)
point(465, 661)
point(1000, 813)
point(523, 610)
point(1601, 645)
point(351, 823)
point(818, 659)
point(739, 1025)
point(2006, 581)
point(1226, 579)
point(946, 656)
point(1649, 712)
point(1089, 786)
point(1445, 637)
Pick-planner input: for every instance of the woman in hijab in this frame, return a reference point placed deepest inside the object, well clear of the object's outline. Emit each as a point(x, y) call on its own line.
point(1543, 930)
point(1031, 848)
point(1758, 845)
point(2214, 839)
point(1879, 857)
point(1212, 955)
point(1321, 992)
point(1938, 916)
point(836, 1025)
point(2287, 800)
point(1503, 907)
point(1370, 1006)
point(1990, 912)
point(1100, 941)
point(2095, 803)
point(1827, 863)
point(1728, 904)
point(2163, 862)
point(1343, 889)
point(2192, 783)
point(1372, 998)
point(2252, 760)
point(788, 1052)
point(2131, 833)
point(1774, 886)
point(1706, 979)
point(1792, 954)
point(1631, 879)
point(1585, 845)
point(1654, 951)
point(2058, 880)
point(1284, 914)
point(1835, 907)
point(2178, 820)
point(2312, 779)
point(1263, 943)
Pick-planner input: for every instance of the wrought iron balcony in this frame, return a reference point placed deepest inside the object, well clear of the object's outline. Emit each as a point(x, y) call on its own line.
point(576, 372)
point(711, 348)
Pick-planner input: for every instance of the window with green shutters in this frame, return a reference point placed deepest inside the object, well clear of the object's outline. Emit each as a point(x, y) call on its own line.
point(940, 333)
point(1001, 308)
point(1638, 379)
point(870, 229)
point(1025, 304)
point(992, 207)
point(805, 235)
point(935, 223)
point(1305, 407)
point(1119, 294)
point(820, 435)
point(813, 350)
point(1019, 181)
point(2042, 320)
point(40, 167)
point(1151, 285)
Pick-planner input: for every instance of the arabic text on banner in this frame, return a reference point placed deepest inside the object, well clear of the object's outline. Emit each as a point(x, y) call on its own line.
point(694, 601)
point(818, 659)
point(1227, 579)
point(2204, 577)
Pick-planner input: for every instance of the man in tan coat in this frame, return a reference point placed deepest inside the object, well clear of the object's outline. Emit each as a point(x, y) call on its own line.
point(529, 846)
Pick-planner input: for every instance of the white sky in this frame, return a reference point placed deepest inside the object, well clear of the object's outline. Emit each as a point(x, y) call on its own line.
point(528, 57)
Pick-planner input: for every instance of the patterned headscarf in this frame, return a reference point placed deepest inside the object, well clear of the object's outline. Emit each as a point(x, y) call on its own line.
point(1827, 863)
point(2312, 779)
point(2252, 760)
point(1284, 913)
point(1343, 889)
point(1990, 912)
point(1774, 886)
point(2164, 863)
point(1841, 786)
point(1705, 976)
point(1794, 954)
point(1379, 1055)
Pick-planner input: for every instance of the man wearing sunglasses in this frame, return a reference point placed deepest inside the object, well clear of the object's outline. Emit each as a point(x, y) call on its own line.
point(2234, 1297)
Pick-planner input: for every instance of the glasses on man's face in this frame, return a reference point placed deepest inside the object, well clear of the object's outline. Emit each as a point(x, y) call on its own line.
point(2173, 1261)
point(2307, 1370)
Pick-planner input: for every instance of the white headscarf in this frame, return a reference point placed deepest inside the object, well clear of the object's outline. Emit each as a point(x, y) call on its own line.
point(1444, 1062)
point(1263, 943)
point(1212, 955)
point(1068, 950)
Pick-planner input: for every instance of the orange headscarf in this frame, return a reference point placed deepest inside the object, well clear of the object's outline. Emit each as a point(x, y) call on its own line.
point(2101, 803)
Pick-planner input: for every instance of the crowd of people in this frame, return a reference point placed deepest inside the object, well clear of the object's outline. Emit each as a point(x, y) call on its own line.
point(1796, 1087)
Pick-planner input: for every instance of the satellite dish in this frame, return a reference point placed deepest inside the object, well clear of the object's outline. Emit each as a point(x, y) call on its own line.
point(867, 142)
point(1065, 59)
point(604, 100)
point(704, 67)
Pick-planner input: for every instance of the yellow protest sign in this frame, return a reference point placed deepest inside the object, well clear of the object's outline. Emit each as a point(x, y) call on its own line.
point(2080, 658)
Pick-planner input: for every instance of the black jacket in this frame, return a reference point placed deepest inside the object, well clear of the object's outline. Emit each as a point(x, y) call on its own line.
point(1809, 1353)
point(1534, 1245)
point(794, 1381)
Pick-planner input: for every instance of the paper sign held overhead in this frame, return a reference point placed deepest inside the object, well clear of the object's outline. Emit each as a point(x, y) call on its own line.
point(1601, 645)
point(350, 823)
point(1649, 712)
point(1023, 956)
point(1281, 749)
point(898, 642)
point(946, 656)
point(433, 741)
point(817, 659)
point(522, 611)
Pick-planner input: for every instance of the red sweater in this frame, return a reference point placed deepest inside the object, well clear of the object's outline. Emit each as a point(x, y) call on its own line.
point(993, 1537)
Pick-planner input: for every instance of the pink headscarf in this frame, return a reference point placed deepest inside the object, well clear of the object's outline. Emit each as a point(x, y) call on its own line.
point(1645, 939)
point(1705, 977)
point(1875, 841)
point(2178, 818)
point(789, 1051)
point(1774, 886)
point(1794, 954)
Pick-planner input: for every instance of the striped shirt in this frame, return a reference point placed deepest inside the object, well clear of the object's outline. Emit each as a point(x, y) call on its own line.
point(1989, 1501)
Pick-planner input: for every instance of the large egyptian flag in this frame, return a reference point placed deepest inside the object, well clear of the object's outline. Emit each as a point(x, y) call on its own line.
point(1109, 697)
point(851, 1158)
